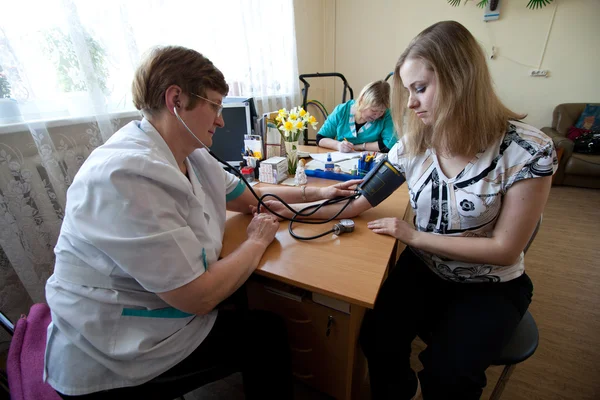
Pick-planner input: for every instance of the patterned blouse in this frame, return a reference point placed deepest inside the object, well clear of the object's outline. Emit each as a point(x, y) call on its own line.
point(469, 204)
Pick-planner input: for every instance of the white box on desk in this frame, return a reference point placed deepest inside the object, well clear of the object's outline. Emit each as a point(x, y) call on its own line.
point(273, 170)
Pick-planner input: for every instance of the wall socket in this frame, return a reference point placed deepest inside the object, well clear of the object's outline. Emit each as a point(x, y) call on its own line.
point(539, 72)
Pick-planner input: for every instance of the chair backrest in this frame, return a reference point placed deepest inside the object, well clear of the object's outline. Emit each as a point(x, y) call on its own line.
point(26, 356)
point(7, 325)
point(534, 234)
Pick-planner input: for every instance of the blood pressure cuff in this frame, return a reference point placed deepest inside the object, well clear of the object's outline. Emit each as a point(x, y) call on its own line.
point(381, 182)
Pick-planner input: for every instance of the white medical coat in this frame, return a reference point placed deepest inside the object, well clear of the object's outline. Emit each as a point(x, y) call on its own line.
point(134, 226)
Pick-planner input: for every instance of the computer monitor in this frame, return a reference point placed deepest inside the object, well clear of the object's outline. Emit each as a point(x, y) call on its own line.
point(228, 142)
point(243, 99)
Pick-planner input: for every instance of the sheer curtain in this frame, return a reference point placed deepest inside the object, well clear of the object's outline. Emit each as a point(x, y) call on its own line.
point(65, 76)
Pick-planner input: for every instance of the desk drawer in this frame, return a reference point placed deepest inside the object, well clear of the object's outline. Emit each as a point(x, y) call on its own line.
point(319, 359)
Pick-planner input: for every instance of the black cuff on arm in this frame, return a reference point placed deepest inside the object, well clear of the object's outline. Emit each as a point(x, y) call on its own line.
point(319, 137)
point(382, 147)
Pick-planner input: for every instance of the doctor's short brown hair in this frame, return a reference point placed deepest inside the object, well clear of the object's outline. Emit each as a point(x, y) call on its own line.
point(174, 65)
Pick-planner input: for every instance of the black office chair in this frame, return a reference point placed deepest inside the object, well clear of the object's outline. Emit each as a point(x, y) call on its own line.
point(522, 345)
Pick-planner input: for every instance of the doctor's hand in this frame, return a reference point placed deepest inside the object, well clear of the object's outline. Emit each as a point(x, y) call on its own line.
point(345, 146)
point(274, 206)
point(341, 189)
point(398, 228)
point(262, 228)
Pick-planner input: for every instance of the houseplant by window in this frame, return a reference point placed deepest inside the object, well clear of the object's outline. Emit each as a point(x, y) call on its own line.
point(9, 109)
point(69, 72)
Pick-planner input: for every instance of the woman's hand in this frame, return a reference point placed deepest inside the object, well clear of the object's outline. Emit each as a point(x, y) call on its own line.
point(345, 146)
point(342, 189)
point(262, 228)
point(398, 228)
point(275, 206)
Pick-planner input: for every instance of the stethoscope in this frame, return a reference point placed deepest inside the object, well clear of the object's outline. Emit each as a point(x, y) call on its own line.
point(344, 226)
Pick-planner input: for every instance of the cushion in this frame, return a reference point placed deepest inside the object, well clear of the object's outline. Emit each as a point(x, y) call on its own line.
point(589, 118)
point(575, 132)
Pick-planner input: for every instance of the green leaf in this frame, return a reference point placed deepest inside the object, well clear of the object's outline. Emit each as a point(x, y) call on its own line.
point(533, 4)
point(482, 3)
point(292, 164)
point(454, 3)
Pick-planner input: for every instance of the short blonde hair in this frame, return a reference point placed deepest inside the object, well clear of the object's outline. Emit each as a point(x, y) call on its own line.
point(375, 94)
point(174, 65)
point(469, 116)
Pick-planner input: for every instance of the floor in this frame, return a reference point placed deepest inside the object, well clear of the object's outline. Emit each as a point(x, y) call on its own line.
point(231, 388)
point(564, 264)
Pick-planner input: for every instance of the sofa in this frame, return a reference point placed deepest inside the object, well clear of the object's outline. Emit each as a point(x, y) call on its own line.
point(574, 169)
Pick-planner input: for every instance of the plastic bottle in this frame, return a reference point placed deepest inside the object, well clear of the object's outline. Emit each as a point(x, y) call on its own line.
point(248, 173)
point(329, 164)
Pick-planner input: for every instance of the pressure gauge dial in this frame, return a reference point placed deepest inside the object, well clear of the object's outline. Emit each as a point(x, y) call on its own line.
point(346, 225)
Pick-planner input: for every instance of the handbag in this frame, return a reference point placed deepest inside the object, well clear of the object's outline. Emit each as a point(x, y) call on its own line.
point(588, 144)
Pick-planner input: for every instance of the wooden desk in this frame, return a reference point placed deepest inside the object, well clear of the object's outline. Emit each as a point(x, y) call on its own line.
point(349, 268)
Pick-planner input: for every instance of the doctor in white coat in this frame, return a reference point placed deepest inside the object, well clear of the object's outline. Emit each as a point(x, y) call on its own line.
point(138, 275)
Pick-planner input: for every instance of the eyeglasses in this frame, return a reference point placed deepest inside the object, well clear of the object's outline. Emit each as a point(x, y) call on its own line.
point(218, 108)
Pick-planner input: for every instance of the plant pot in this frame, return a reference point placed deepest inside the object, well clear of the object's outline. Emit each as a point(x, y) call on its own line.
point(9, 112)
point(291, 148)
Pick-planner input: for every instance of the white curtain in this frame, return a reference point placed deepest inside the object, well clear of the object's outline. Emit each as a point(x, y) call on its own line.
point(65, 86)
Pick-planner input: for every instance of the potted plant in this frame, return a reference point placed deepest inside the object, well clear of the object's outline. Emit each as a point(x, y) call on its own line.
point(9, 109)
point(70, 77)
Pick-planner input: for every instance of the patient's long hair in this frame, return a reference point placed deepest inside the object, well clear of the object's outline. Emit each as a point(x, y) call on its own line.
point(468, 115)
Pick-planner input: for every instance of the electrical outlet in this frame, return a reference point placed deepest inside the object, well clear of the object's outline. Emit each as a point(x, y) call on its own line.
point(539, 72)
point(492, 10)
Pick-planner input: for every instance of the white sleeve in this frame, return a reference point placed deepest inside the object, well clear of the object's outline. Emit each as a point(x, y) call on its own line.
point(397, 157)
point(136, 213)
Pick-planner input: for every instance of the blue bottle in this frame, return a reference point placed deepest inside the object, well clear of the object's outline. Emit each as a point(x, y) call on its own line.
point(329, 164)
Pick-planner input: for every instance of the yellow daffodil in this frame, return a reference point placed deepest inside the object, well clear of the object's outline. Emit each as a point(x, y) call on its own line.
point(287, 127)
point(294, 121)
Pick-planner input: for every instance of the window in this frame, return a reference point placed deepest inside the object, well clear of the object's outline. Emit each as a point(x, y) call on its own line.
point(69, 58)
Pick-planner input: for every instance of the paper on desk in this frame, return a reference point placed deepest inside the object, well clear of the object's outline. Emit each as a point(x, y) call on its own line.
point(336, 156)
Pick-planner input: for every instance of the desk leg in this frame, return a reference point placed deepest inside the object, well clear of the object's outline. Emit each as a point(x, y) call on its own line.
point(356, 372)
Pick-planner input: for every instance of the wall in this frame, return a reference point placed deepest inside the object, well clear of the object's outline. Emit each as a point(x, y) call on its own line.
point(369, 37)
point(315, 37)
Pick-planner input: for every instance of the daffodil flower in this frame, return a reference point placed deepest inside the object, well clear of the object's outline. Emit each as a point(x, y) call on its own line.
point(291, 122)
point(287, 127)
